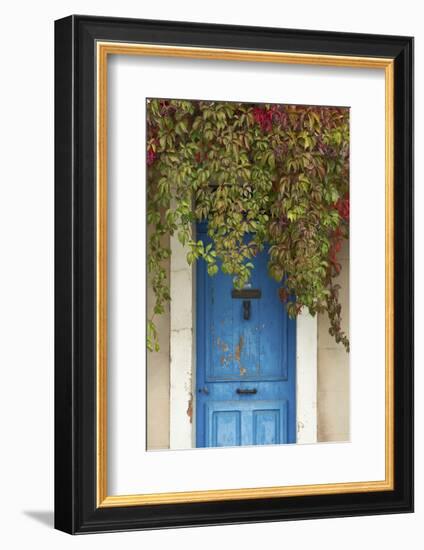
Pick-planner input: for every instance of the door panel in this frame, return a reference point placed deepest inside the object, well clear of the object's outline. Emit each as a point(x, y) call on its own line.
point(225, 429)
point(245, 361)
point(238, 348)
point(270, 426)
point(234, 423)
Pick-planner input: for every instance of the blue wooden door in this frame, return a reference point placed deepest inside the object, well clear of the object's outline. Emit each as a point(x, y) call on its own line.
point(246, 386)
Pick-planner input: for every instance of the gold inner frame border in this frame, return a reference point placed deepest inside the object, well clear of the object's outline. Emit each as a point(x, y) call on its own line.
point(103, 50)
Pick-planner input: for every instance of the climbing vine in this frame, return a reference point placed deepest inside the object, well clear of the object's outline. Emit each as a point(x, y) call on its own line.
point(258, 174)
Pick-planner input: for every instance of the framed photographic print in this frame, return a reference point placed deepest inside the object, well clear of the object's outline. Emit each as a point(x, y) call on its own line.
point(234, 274)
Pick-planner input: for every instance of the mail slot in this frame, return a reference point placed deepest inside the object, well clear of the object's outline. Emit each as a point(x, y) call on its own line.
point(246, 294)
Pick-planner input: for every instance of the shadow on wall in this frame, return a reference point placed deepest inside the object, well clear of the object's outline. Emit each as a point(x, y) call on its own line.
point(45, 517)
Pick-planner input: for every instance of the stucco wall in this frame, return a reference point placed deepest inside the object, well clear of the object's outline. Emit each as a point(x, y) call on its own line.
point(158, 383)
point(333, 368)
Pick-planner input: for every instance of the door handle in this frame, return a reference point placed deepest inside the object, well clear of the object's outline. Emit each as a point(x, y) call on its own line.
point(246, 310)
point(204, 390)
point(246, 391)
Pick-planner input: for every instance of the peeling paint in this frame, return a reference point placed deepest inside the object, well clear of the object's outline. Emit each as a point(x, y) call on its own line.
point(190, 408)
point(237, 355)
point(225, 360)
point(239, 349)
point(222, 345)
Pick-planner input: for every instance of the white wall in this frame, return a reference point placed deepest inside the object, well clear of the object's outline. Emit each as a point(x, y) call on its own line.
point(182, 346)
point(26, 274)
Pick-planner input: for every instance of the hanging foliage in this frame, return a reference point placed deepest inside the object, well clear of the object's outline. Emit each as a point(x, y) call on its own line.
point(258, 174)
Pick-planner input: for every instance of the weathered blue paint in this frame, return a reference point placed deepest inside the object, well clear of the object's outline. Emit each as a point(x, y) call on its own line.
point(234, 353)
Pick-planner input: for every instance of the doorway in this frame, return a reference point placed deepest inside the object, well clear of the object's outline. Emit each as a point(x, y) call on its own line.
point(246, 360)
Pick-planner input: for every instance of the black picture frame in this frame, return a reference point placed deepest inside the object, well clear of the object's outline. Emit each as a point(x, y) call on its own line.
point(76, 509)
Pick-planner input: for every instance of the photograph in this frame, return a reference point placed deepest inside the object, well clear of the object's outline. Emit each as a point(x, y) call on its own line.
point(248, 273)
